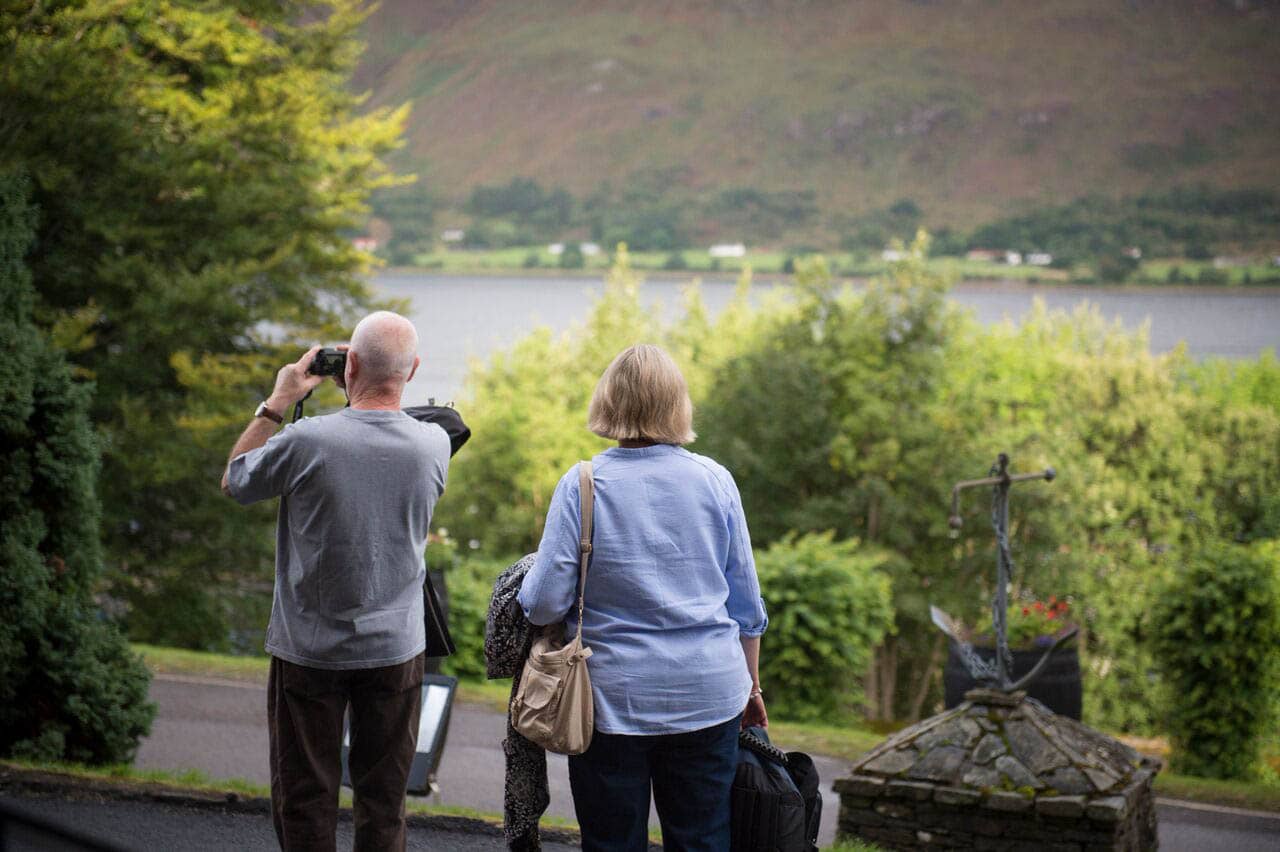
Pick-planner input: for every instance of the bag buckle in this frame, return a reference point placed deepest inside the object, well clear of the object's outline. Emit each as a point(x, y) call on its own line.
point(585, 545)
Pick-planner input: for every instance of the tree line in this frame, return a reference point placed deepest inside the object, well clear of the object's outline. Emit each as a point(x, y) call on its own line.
point(653, 213)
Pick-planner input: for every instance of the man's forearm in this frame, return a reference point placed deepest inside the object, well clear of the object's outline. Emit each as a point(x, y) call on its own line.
point(255, 435)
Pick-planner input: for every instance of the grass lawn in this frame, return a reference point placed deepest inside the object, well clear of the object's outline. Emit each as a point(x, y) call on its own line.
point(845, 741)
point(536, 260)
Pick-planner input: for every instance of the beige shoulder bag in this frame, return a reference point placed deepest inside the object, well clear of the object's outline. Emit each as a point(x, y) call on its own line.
point(553, 706)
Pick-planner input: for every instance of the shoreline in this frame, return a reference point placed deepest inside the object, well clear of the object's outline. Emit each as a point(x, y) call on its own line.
point(991, 285)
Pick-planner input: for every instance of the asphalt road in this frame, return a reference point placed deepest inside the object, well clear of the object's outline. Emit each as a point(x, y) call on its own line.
point(219, 727)
point(128, 825)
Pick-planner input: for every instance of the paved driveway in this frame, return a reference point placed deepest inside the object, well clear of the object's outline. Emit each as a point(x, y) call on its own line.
point(219, 727)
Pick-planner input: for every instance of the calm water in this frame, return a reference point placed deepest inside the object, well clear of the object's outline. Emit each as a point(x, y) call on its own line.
point(464, 317)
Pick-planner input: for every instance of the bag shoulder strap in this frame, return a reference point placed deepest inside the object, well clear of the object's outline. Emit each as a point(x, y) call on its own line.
point(762, 748)
point(586, 498)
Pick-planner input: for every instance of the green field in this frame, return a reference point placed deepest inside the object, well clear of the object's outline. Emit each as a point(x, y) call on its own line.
point(521, 259)
point(536, 260)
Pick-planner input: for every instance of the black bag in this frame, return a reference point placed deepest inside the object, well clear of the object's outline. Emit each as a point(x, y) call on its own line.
point(776, 805)
point(446, 418)
point(439, 641)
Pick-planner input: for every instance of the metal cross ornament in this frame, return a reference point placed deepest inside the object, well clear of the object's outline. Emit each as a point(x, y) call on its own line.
point(996, 674)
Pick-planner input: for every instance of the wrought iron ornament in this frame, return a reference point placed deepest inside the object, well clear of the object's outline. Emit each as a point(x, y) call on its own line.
point(996, 675)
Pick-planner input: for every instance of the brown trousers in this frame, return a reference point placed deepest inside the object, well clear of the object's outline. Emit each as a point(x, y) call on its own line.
point(305, 708)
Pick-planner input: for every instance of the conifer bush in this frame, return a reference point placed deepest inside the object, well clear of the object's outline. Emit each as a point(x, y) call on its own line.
point(1218, 642)
point(70, 688)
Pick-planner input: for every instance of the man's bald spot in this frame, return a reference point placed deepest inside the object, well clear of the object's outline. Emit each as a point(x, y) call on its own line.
point(385, 344)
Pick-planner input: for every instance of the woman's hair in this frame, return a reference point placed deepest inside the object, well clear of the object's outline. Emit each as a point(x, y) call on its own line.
point(642, 394)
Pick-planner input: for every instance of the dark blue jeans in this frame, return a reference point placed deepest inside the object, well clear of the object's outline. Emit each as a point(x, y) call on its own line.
point(690, 775)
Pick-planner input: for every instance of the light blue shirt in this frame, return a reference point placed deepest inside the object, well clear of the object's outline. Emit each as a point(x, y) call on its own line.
point(670, 589)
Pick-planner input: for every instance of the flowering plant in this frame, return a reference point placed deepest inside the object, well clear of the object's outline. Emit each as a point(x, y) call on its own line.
point(1033, 623)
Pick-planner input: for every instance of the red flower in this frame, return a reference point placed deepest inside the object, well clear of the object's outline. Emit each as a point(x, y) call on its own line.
point(1026, 611)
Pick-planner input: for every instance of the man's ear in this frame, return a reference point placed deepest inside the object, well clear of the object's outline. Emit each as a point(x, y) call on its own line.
point(352, 369)
point(416, 361)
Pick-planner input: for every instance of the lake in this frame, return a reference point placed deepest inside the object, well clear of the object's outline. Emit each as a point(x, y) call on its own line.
point(464, 317)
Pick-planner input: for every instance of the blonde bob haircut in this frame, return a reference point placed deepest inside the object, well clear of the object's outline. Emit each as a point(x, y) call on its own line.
point(642, 395)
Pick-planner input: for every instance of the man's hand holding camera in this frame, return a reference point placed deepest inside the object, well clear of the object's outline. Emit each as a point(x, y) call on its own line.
point(293, 382)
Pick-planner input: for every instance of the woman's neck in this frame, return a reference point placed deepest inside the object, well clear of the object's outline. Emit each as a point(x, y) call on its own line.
point(635, 443)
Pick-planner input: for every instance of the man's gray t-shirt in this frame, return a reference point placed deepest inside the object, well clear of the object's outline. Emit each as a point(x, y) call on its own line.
point(356, 491)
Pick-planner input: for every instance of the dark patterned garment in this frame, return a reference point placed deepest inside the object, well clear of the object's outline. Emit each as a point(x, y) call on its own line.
point(507, 638)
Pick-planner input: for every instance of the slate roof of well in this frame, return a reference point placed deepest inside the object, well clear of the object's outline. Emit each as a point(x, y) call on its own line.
point(996, 742)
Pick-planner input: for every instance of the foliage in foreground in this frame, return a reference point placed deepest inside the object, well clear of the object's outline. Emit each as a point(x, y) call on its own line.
point(196, 166)
point(70, 689)
point(829, 607)
point(856, 410)
point(1217, 631)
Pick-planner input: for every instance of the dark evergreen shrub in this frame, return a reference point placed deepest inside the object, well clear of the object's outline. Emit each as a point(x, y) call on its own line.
point(1218, 643)
point(70, 688)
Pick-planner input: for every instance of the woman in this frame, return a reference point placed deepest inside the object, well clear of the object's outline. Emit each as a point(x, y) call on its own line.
point(672, 614)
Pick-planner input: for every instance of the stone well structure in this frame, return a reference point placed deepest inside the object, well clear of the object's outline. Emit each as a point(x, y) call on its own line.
point(1001, 772)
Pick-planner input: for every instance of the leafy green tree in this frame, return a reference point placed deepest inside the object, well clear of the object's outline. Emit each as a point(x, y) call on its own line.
point(836, 420)
point(196, 167)
point(527, 406)
point(571, 257)
point(70, 689)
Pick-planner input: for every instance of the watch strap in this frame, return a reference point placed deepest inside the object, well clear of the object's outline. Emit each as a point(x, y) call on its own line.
point(263, 411)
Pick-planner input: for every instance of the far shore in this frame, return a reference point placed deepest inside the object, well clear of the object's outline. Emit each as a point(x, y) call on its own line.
point(968, 283)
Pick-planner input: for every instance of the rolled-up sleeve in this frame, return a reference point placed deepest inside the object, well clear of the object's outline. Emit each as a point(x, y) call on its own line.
point(265, 472)
point(550, 589)
point(745, 605)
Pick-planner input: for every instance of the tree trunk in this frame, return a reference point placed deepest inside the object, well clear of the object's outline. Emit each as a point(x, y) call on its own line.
point(882, 681)
point(926, 678)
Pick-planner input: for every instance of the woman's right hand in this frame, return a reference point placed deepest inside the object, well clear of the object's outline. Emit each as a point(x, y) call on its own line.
point(755, 715)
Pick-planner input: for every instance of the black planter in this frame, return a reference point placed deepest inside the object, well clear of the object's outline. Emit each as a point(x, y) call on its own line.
point(1058, 686)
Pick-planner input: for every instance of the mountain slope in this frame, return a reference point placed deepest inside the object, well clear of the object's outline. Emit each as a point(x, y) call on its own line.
point(972, 108)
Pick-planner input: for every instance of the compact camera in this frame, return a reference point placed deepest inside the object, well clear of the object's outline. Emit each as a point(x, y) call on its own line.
point(329, 362)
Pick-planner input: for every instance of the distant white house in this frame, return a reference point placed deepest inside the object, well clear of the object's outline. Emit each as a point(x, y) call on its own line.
point(1013, 258)
point(892, 255)
point(453, 235)
point(589, 249)
point(720, 250)
point(985, 255)
point(1132, 252)
point(555, 249)
point(1039, 258)
point(1231, 261)
point(365, 244)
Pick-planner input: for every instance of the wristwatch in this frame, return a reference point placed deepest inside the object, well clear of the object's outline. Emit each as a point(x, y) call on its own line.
point(263, 411)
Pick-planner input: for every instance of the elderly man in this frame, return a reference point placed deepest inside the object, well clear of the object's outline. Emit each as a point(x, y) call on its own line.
point(356, 491)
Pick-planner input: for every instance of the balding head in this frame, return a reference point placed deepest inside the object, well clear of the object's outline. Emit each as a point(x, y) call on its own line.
point(386, 349)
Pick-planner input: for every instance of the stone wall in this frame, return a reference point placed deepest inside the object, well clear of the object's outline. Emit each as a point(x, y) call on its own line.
point(916, 815)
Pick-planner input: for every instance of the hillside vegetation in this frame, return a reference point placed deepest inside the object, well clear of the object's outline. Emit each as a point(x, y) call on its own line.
point(972, 109)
